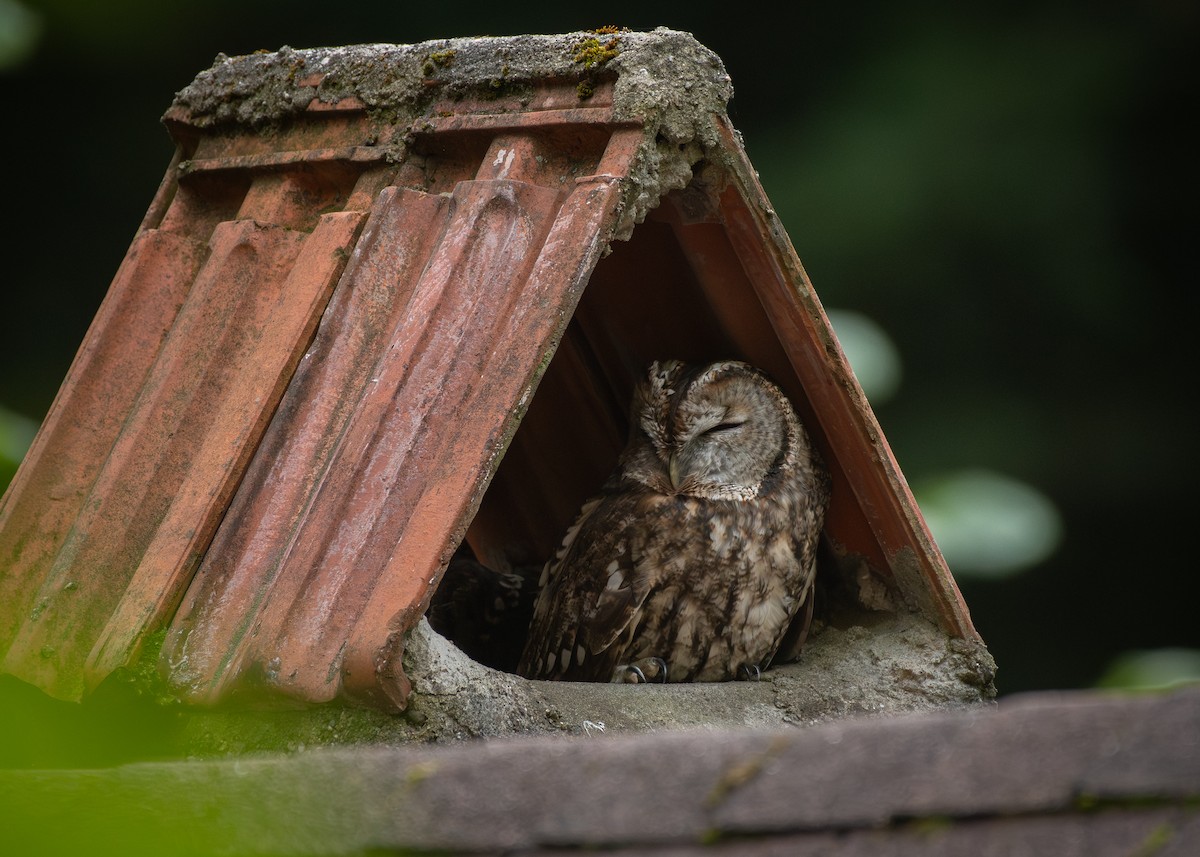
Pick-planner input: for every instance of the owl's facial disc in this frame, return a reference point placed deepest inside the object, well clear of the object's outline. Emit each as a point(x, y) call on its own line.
point(707, 460)
point(686, 456)
point(715, 431)
point(727, 436)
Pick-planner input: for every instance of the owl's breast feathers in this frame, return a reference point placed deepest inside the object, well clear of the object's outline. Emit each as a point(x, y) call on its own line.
point(708, 585)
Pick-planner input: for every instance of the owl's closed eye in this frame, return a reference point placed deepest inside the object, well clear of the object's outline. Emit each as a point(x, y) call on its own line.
point(699, 551)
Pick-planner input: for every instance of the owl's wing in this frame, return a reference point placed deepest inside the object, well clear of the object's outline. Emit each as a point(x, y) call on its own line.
point(796, 635)
point(808, 520)
point(591, 595)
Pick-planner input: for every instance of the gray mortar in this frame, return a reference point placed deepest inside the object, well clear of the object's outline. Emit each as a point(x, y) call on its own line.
point(665, 78)
point(894, 663)
point(901, 663)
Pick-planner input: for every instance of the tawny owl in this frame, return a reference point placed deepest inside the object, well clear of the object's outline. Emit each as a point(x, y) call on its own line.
point(699, 551)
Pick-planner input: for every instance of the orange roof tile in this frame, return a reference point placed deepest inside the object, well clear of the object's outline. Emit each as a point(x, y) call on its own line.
point(323, 341)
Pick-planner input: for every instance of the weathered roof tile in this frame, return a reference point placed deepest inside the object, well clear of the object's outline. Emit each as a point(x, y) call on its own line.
point(318, 352)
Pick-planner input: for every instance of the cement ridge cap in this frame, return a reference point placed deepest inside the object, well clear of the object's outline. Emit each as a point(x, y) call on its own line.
point(658, 75)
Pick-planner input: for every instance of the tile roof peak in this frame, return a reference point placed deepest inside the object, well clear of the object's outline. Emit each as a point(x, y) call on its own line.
point(664, 77)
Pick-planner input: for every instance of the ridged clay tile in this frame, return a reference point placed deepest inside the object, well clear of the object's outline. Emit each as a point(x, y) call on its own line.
point(389, 298)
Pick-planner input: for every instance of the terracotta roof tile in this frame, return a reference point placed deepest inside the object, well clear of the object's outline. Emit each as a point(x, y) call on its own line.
point(322, 343)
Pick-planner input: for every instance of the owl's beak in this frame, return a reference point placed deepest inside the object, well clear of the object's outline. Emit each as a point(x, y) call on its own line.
point(673, 469)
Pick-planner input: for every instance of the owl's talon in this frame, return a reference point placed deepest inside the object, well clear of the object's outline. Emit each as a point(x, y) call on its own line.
point(657, 668)
point(749, 672)
point(635, 673)
point(644, 671)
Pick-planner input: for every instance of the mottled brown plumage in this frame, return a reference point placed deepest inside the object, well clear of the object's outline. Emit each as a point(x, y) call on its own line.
point(700, 550)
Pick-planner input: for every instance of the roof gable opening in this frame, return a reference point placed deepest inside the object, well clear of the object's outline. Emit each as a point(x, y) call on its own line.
point(676, 288)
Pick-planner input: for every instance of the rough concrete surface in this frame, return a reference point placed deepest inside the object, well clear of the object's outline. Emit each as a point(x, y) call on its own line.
point(1066, 774)
point(900, 663)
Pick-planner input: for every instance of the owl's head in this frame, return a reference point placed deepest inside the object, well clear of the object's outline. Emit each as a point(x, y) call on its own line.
point(717, 431)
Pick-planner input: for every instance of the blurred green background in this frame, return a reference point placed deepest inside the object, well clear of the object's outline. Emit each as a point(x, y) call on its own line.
point(996, 203)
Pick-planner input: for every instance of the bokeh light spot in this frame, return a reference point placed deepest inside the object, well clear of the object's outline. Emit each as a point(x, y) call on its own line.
point(1152, 669)
point(988, 524)
point(872, 354)
point(16, 434)
point(20, 30)
point(16, 431)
